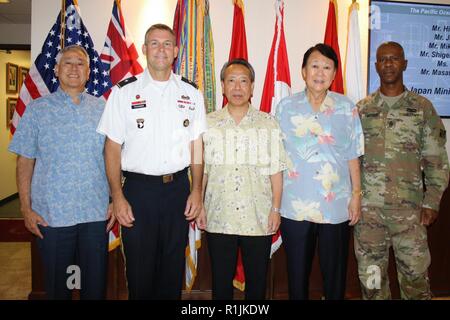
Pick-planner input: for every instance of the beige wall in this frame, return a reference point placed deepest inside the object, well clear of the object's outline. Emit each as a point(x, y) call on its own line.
point(7, 159)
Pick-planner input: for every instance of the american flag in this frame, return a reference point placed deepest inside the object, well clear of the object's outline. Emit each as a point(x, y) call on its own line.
point(119, 55)
point(68, 30)
point(120, 60)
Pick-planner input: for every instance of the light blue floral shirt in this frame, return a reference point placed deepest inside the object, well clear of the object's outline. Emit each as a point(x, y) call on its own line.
point(317, 186)
point(69, 183)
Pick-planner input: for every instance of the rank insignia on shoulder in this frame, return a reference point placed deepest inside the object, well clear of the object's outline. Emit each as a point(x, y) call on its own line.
point(442, 133)
point(186, 123)
point(189, 82)
point(140, 123)
point(126, 81)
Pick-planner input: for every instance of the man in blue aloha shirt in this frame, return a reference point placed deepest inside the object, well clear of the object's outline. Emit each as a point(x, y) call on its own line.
point(62, 182)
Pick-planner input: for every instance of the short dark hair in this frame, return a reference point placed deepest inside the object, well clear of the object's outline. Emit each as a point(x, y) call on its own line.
point(394, 44)
point(325, 50)
point(159, 26)
point(241, 62)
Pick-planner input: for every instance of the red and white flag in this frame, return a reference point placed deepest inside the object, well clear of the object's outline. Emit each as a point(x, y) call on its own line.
point(331, 39)
point(238, 48)
point(278, 82)
point(119, 55)
point(278, 78)
point(120, 61)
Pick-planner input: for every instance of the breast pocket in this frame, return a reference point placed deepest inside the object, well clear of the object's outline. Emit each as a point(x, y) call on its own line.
point(373, 125)
point(408, 129)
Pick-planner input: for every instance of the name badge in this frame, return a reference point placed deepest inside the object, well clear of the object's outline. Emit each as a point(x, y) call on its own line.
point(138, 104)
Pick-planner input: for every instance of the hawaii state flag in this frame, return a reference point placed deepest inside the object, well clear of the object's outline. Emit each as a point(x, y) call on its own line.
point(120, 60)
point(331, 39)
point(119, 55)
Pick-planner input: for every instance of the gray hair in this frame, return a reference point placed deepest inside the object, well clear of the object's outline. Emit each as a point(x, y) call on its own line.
point(241, 62)
point(72, 47)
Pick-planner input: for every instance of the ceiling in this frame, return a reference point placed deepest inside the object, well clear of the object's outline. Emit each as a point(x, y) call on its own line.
point(15, 12)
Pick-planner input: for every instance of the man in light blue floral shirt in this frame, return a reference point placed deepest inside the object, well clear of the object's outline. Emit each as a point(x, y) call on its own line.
point(62, 182)
point(322, 189)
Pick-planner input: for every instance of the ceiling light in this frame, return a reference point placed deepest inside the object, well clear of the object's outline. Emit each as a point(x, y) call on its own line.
point(4, 1)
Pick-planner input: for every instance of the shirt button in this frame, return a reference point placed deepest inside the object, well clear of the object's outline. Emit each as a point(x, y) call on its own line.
point(237, 189)
point(237, 209)
point(316, 153)
point(237, 169)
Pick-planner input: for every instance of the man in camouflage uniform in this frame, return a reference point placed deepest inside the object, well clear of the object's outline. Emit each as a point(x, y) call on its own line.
point(404, 142)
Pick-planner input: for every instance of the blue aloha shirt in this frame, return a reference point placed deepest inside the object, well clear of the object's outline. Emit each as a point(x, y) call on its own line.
point(69, 184)
point(317, 185)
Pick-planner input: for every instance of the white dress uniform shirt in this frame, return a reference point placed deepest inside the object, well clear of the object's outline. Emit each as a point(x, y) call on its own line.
point(154, 122)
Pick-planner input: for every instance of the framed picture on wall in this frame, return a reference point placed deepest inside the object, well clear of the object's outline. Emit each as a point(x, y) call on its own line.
point(12, 77)
point(22, 75)
point(10, 108)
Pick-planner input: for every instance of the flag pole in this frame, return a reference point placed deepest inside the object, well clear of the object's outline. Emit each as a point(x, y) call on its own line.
point(62, 22)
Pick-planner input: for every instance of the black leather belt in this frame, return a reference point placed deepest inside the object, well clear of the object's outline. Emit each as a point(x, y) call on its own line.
point(167, 178)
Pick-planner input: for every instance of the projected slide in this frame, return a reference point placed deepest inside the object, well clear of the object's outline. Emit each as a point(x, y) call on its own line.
point(424, 32)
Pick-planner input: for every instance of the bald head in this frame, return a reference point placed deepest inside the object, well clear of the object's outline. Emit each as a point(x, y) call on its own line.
point(391, 44)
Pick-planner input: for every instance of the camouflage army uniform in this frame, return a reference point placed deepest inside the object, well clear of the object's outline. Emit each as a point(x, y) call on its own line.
point(401, 141)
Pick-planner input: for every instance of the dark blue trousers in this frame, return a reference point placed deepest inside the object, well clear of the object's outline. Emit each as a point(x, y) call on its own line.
point(299, 241)
point(154, 248)
point(65, 250)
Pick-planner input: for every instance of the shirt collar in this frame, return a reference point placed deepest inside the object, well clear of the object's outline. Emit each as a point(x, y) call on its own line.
point(60, 92)
point(225, 115)
point(147, 78)
point(379, 100)
point(327, 104)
